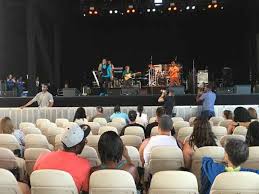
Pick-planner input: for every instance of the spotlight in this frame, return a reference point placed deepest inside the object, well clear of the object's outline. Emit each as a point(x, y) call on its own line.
point(84, 14)
point(169, 8)
point(153, 9)
point(133, 10)
point(215, 6)
point(95, 12)
point(128, 11)
point(175, 8)
point(209, 6)
point(148, 10)
point(193, 7)
point(110, 11)
point(116, 11)
point(90, 12)
point(222, 8)
point(188, 7)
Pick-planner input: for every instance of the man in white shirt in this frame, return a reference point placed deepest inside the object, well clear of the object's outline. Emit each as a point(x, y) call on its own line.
point(163, 139)
point(43, 98)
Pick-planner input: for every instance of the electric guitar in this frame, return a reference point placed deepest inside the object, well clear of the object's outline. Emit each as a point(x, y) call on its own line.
point(131, 75)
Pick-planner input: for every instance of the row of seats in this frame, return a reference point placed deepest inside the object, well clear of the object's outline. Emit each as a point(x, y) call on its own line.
point(118, 181)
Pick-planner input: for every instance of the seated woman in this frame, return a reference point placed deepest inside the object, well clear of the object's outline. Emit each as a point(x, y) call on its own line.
point(6, 127)
point(202, 136)
point(141, 117)
point(111, 150)
point(228, 115)
point(252, 136)
point(80, 116)
point(241, 118)
point(252, 113)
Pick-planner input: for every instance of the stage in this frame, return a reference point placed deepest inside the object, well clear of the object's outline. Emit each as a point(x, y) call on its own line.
point(106, 101)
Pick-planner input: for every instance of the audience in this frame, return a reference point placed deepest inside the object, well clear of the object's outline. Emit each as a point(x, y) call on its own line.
point(141, 117)
point(163, 139)
point(80, 116)
point(252, 136)
point(118, 114)
point(132, 122)
point(99, 114)
point(160, 111)
point(202, 136)
point(236, 153)
point(228, 115)
point(241, 118)
point(252, 113)
point(111, 150)
point(6, 127)
point(73, 140)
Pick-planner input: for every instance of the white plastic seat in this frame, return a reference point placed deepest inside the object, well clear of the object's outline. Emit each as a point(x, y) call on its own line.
point(152, 120)
point(131, 140)
point(184, 132)
point(71, 124)
point(154, 131)
point(216, 153)
point(225, 139)
point(180, 124)
point(53, 132)
point(42, 123)
point(31, 130)
point(91, 155)
point(236, 183)
point(117, 125)
point(92, 141)
point(94, 127)
point(61, 122)
point(119, 120)
point(240, 130)
point(176, 119)
point(8, 183)
point(253, 159)
point(52, 182)
point(107, 128)
point(112, 181)
point(31, 155)
point(219, 131)
point(9, 141)
point(37, 141)
point(168, 182)
point(165, 158)
point(134, 156)
point(23, 125)
point(101, 121)
point(216, 120)
point(135, 130)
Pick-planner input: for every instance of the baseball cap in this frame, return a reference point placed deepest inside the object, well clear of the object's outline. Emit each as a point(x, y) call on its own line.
point(73, 136)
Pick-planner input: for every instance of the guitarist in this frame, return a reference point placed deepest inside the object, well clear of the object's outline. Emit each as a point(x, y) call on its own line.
point(127, 76)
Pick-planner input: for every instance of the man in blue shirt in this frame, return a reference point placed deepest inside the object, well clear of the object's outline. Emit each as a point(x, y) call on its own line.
point(208, 99)
point(105, 71)
point(118, 114)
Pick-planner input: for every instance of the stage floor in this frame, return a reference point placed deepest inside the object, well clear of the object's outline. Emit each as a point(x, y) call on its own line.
point(181, 100)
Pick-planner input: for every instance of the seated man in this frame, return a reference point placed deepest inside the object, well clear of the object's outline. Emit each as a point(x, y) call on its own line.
point(163, 139)
point(160, 111)
point(132, 122)
point(73, 140)
point(99, 114)
point(236, 153)
point(118, 114)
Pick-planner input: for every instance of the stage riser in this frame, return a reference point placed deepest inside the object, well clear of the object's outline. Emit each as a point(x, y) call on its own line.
point(32, 114)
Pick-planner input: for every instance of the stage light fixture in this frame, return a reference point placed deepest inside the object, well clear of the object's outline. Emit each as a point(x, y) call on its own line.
point(154, 10)
point(128, 11)
point(215, 6)
point(169, 9)
point(95, 12)
point(133, 10)
point(148, 10)
point(209, 6)
point(222, 8)
point(193, 7)
point(175, 8)
point(110, 12)
point(115, 11)
point(84, 14)
point(188, 7)
point(90, 12)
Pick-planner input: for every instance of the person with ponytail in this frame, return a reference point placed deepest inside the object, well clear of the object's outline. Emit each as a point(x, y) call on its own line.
point(141, 117)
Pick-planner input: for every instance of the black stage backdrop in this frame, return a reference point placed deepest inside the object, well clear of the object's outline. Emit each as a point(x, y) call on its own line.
point(51, 39)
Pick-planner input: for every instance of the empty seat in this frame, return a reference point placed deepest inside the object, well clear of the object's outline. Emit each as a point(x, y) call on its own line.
point(9, 141)
point(219, 131)
point(37, 141)
point(9, 161)
point(92, 141)
point(236, 183)
point(101, 121)
point(31, 130)
point(52, 182)
point(112, 181)
point(94, 127)
point(168, 182)
point(53, 132)
point(180, 124)
point(152, 120)
point(165, 158)
point(8, 183)
point(154, 131)
point(176, 119)
point(225, 138)
point(117, 125)
point(23, 125)
point(135, 130)
point(225, 123)
point(58, 143)
point(240, 130)
point(41, 123)
point(184, 132)
point(217, 153)
point(119, 120)
point(131, 140)
point(31, 155)
point(61, 122)
point(216, 120)
point(71, 125)
point(134, 156)
point(91, 155)
point(253, 159)
point(107, 128)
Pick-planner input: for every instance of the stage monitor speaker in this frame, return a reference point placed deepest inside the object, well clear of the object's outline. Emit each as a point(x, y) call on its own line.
point(242, 89)
point(133, 91)
point(114, 92)
point(70, 92)
point(179, 90)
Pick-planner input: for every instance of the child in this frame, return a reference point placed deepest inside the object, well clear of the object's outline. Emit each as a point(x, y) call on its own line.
point(236, 153)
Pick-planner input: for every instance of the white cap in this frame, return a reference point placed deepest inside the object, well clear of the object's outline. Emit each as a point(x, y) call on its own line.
point(73, 136)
